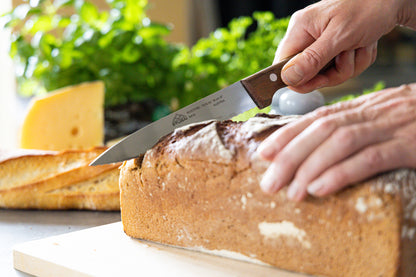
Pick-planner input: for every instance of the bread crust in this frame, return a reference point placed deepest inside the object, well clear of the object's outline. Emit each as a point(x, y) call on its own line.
point(52, 180)
point(205, 195)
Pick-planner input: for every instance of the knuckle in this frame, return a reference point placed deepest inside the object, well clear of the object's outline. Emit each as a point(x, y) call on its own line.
point(393, 92)
point(312, 57)
point(374, 158)
point(325, 124)
point(401, 102)
point(345, 137)
point(298, 16)
point(338, 177)
point(342, 106)
point(402, 90)
point(405, 88)
point(353, 116)
point(412, 86)
point(371, 113)
point(306, 173)
point(322, 112)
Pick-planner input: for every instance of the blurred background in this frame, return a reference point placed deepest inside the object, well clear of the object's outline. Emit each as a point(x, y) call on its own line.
point(192, 20)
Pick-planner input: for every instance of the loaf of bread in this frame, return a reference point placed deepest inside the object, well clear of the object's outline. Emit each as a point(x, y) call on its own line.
point(199, 188)
point(32, 179)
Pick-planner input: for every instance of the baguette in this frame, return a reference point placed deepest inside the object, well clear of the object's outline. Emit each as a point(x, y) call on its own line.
point(198, 188)
point(32, 179)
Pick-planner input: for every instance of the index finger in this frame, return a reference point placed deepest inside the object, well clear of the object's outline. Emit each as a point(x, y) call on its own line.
point(295, 41)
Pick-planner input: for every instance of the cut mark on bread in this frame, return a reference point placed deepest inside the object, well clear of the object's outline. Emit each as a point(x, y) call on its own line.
point(107, 182)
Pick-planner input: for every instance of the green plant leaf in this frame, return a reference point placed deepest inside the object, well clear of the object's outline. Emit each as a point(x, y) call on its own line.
point(128, 51)
point(88, 13)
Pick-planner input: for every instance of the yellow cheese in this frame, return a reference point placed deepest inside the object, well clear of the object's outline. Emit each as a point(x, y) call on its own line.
point(68, 118)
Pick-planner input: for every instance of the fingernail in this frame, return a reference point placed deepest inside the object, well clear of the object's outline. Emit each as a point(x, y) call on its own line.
point(293, 190)
point(292, 75)
point(315, 187)
point(268, 182)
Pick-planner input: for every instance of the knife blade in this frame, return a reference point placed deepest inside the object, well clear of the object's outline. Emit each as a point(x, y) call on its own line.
point(255, 90)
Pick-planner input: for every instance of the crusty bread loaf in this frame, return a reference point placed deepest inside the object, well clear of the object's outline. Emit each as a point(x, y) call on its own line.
point(32, 179)
point(199, 188)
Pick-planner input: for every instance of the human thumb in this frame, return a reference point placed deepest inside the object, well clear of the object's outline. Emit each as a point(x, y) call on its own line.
point(307, 64)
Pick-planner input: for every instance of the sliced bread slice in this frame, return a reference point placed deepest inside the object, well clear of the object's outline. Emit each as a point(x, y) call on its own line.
point(57, 180)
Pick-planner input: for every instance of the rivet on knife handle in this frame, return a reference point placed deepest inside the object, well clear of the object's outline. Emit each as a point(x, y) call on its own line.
point(262, 85)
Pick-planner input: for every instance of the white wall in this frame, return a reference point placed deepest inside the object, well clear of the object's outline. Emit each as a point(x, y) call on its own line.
point(8, 103)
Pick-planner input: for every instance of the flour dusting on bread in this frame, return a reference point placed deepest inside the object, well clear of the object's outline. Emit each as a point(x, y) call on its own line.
point(205, 144)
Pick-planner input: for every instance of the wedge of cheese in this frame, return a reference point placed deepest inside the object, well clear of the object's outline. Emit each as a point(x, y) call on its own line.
point(68, 118)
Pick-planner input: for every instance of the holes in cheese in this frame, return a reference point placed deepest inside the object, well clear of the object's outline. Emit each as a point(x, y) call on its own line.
point(68, 118)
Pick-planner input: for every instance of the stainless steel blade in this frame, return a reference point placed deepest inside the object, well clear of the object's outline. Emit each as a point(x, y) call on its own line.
point(223, 104)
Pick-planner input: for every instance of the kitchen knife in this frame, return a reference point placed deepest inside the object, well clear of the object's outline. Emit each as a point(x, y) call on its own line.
point(255, 90)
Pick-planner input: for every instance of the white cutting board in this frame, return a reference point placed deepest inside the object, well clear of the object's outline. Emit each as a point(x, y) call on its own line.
point(107, 251)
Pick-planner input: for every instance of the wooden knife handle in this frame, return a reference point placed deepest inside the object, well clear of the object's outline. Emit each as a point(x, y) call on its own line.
point(262, 85)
